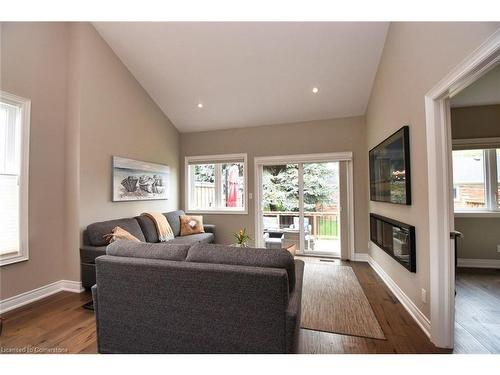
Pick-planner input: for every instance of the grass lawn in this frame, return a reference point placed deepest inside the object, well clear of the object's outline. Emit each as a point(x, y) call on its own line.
point(328, 227)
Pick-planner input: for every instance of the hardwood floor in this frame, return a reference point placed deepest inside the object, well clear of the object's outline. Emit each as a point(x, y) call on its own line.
point(402, 333)
point(59, 324)
point(477, 313)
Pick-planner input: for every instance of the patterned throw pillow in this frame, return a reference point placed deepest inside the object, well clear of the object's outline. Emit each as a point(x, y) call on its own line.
point(120, 234)
point(191, 225)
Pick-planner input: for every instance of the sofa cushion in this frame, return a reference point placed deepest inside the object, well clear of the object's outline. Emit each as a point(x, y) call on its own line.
point(175, 221)
point(119, 233)
point(162, 250)
point(194, 239)
point(191, 224)
point(247, 256)
point(97, 231)
point(148, 228)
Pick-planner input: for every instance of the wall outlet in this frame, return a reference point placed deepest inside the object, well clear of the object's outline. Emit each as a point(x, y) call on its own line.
point(250, 196)
point(498, 248)
point(424, 295)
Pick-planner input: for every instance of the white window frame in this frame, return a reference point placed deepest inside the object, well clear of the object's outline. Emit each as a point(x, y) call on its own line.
point(456, 197)
point(260, 162)
point(25, 107)
point(215, 159)
point(489, 146)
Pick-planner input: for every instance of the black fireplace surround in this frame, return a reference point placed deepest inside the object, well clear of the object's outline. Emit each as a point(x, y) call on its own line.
point(396, 238)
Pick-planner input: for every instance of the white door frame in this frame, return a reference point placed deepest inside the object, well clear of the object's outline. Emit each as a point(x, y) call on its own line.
point(440, 184)
point(306, 158)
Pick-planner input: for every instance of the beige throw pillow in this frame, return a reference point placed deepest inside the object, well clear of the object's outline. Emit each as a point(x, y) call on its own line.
point(120, 234)
point(191, 225)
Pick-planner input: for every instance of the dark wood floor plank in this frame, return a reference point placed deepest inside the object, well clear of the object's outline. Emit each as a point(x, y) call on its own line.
point(465, 343)
point(477, 311)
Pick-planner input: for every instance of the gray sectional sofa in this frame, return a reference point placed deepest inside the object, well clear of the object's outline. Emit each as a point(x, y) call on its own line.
point(202, 298)
point(142, 227)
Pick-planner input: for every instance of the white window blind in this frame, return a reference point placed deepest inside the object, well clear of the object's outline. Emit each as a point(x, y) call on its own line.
point(9, 220)
point(14, 126)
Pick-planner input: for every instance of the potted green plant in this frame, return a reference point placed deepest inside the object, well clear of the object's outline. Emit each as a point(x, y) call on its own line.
point(242, 238)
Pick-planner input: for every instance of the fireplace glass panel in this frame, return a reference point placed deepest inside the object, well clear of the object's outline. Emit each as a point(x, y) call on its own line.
point(395, 238)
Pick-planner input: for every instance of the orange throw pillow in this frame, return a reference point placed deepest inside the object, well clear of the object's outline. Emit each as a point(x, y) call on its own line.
point(120, 234)
point(191, 225)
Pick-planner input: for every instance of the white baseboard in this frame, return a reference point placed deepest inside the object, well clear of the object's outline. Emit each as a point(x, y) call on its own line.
point(71, 286)
point(407, 303)
point(479, 263)
point(360, 257)
point(39, 293)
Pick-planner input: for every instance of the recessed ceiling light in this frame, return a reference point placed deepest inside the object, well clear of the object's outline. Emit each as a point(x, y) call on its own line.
point(315, 90)
point(200, 105)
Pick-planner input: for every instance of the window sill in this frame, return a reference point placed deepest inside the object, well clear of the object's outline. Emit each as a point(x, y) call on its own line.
point(216, 212)
point(477, 214)
point(4, 261)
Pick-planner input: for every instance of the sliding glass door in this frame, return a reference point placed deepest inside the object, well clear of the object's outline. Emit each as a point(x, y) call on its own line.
point(321, 208)
point(280, 206)
point(299, 207)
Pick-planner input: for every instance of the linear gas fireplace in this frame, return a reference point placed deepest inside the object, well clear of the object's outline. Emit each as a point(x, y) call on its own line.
point(395, 238)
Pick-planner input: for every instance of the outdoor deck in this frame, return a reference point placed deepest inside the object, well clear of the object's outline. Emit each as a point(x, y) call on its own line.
point(321, 230)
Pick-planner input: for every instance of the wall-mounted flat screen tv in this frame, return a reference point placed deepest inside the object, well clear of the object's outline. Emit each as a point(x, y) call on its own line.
point(390, 169)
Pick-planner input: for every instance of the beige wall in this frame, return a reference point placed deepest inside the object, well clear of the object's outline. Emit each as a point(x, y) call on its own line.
point(34, 66)
point(475, 122)
point(86, 107)
point(118, 118)
point(111, 114)
point(416, 57)
point(347, 134)
point(481, 235)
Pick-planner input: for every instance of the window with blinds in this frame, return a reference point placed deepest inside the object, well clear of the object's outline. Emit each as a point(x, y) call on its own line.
point(216, 183)
point(14, 138)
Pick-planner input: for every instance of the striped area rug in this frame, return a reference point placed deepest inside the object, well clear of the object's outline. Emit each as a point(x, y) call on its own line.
point(333, 301)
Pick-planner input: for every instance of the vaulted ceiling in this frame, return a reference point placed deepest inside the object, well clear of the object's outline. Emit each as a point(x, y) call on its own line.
point(250, 73)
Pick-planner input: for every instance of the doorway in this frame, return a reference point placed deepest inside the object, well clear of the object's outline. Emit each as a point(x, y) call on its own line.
point(475, 133)
point(302, 204)
point(440, 186)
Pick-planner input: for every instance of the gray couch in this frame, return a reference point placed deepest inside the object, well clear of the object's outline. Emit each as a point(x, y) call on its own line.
point(205, 298)
point(142, 227)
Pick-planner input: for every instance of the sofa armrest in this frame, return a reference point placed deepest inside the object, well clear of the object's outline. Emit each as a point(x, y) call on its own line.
point(94, 297)
point(293, 312)
point(88, 253)
point(95, 300)
point(209, 228)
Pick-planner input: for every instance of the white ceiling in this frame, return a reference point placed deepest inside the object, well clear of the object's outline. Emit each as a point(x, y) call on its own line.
point(253, 73)
point(485, 91)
